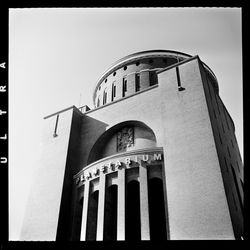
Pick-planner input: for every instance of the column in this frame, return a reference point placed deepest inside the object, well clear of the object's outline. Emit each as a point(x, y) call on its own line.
point(145, 234)
point(109, 92)
point(101, 203)
point(144, 79)
point(130, 84)
point(85, 211)
point(121, 205)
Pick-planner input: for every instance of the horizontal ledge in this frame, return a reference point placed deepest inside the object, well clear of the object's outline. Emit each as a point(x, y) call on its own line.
point(124, 154)
point(123, 98)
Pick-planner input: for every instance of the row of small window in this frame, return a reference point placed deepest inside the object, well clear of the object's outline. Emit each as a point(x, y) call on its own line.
point(152, 81)
point(138, 63)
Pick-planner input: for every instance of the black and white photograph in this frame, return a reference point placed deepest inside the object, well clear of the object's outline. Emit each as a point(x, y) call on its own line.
point(125, 124)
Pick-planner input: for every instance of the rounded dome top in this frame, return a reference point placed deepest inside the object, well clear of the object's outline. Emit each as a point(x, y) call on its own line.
point(151, 61)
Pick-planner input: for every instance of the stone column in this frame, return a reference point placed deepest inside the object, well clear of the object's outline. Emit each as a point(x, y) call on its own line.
point(121, 205)
point(130, 84)
point(145, 233)
point(85, 211)
point(144, 79)
point(101, 203)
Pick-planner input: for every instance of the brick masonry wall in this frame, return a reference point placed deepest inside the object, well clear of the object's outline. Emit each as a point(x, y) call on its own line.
point(197, 203)
point(228, 153)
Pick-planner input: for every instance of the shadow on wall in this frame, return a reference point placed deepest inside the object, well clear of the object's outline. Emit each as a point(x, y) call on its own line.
point(90, 132)
point(123, 137)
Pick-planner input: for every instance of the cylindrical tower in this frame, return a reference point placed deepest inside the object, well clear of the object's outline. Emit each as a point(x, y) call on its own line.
point(135, 73)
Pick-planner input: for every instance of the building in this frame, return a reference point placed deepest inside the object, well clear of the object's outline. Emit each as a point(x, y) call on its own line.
point(156, 159)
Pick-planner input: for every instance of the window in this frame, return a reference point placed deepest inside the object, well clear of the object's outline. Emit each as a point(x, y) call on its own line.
point(113, 91)
point(152, 78)
point(137, 82)
point(105, 96)
point(137, 64)
point(125, 67)
point(124, 86)
point(98, 102)
point(114, 73)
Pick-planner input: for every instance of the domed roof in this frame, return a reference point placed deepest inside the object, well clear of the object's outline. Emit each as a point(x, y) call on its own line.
point(148, 54)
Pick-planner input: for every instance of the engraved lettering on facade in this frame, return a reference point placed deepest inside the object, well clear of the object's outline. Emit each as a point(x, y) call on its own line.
point(103, 168)
point(82, 178)
point(119, 164)
point(96, 171)
point(145, 157)
point(157, 157)
point(128, 161)
point(110, 166)
point(89, 175)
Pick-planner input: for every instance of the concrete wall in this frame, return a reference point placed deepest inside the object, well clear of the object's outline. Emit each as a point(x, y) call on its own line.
point(43, 207)
point(66, 215)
